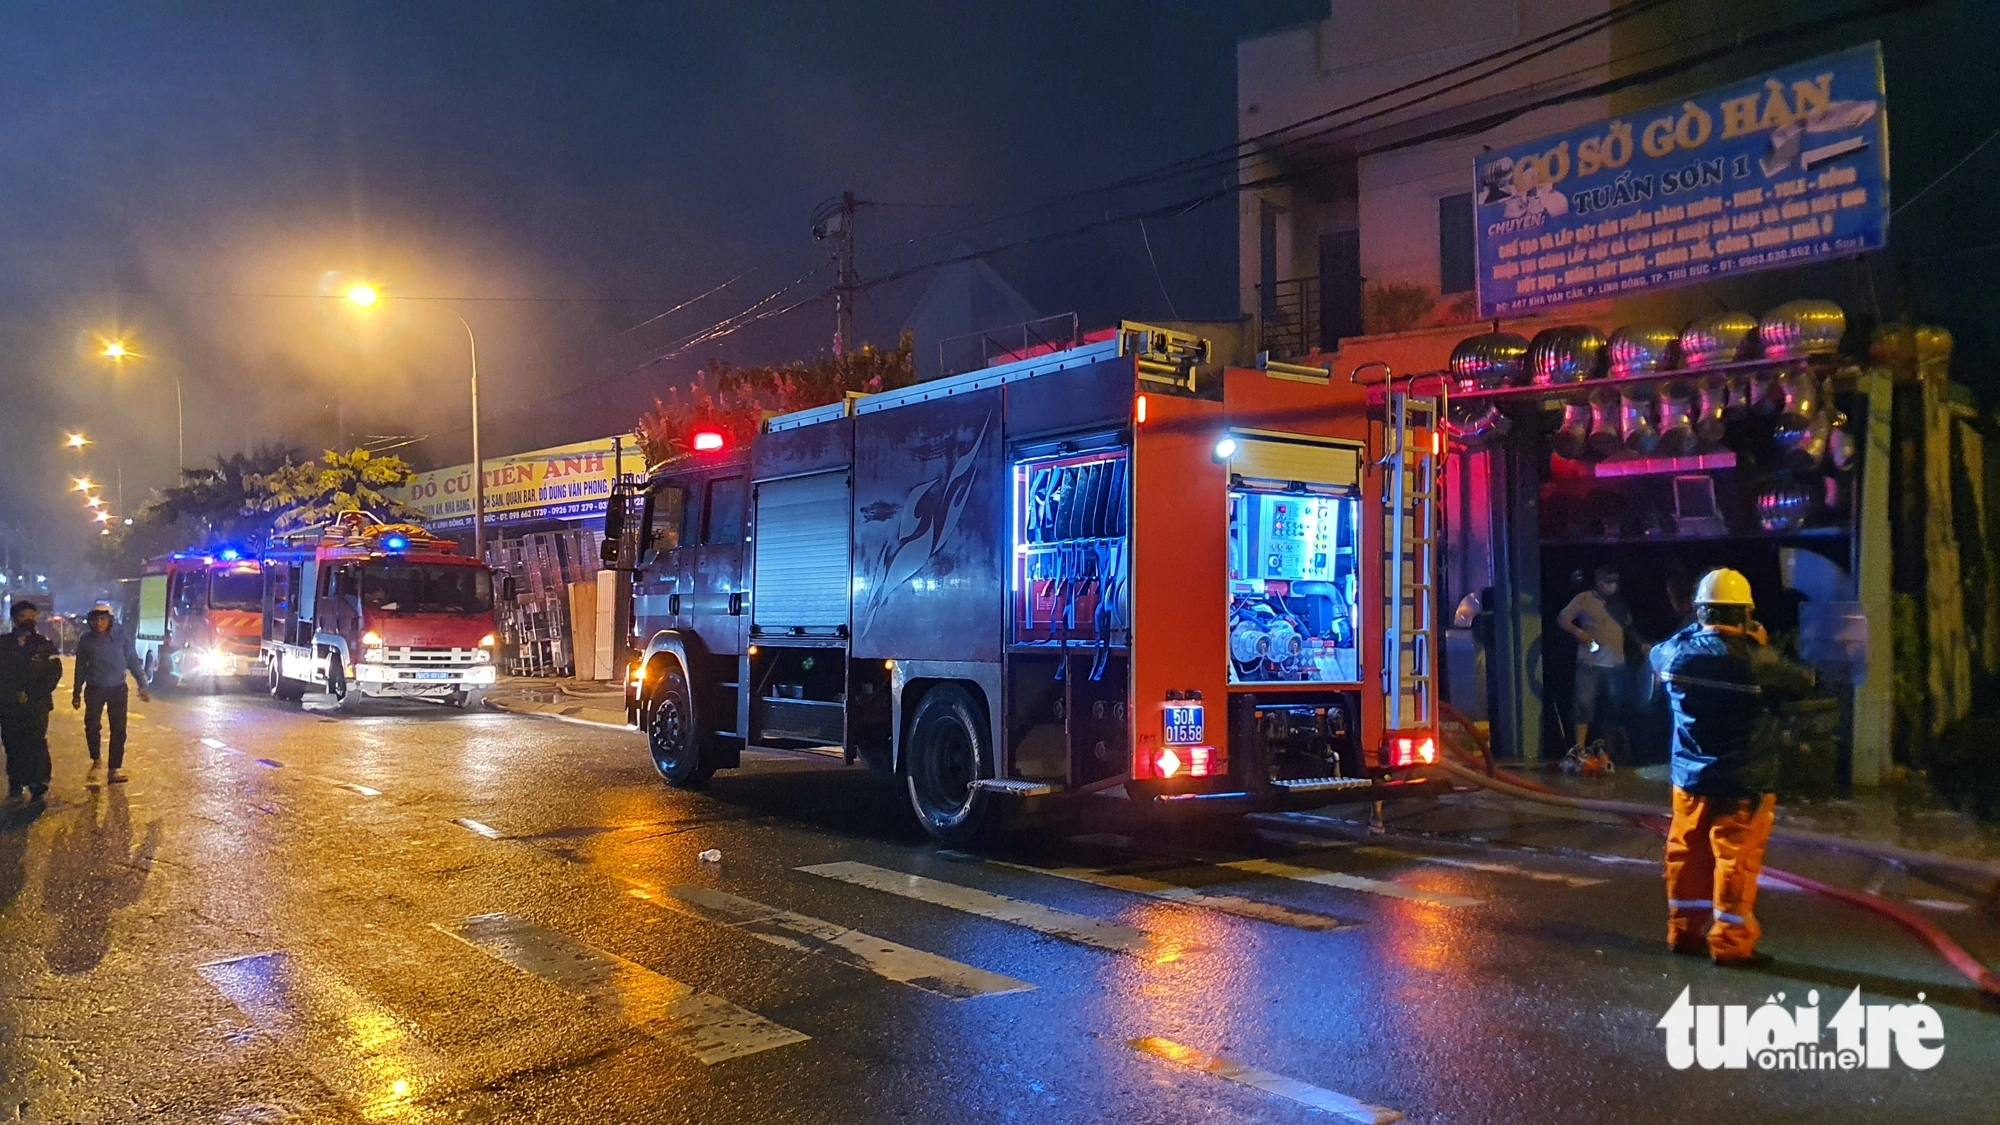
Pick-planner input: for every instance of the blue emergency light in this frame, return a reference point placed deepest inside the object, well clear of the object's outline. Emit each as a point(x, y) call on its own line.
point(395, 543)
point(231, 554)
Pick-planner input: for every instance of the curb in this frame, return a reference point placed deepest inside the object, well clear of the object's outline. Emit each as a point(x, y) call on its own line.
point(575, 712)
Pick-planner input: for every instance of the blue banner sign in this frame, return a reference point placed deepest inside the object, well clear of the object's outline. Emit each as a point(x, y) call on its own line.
point(1787, 167)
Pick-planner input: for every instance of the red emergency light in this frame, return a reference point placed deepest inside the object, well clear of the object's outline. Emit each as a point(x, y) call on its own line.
point(707, 441)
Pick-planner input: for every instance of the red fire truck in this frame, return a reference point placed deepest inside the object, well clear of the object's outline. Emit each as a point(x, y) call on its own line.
point(197, 617)
point(1113, 571)
point(363, 609)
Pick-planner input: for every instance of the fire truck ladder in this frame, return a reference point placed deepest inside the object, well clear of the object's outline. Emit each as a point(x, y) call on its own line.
point(1412, 437)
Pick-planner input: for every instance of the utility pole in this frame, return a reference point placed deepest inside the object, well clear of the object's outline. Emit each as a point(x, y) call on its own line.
point(835, 220)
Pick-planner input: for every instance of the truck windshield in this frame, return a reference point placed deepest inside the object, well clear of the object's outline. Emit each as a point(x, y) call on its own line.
point(236, 589)
point(426, 588)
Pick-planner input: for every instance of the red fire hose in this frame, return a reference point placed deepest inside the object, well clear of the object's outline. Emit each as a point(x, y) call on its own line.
point(1655, 818)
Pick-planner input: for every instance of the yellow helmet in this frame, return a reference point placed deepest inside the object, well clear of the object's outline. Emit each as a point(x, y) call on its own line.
point(1723, 587)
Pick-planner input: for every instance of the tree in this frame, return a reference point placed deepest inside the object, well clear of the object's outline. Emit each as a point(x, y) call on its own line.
point(209, 508)
point(317, 491)
point(743, 396)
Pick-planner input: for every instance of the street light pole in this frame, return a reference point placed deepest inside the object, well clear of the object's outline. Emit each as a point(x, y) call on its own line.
point(478, 466)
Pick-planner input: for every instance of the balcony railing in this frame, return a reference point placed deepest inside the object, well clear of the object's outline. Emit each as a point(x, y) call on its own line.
point(1288, 317)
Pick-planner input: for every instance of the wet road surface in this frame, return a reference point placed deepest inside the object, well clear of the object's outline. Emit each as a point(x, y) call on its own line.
point(419, 915)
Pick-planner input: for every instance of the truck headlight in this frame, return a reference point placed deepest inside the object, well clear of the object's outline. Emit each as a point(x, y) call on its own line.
point(371, 639)
point(374, 655)
point(482, 656)
point(209, 662)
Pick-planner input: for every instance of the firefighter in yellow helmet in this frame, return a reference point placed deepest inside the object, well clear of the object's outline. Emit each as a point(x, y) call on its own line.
point(1721, 678)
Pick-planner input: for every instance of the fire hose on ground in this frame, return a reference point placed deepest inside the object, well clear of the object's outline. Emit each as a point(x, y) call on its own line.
point(1657, 819)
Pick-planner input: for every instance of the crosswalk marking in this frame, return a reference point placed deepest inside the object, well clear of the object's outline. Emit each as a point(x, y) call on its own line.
point(1043, 919)
point(486, 830)
point(1189, 896)
point(706, 1026)
point(1302, 1092)
point(899, 963)
point(358, 1048)
point(1343, 880)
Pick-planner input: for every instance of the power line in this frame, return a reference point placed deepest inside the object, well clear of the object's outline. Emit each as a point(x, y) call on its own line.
point(1784, 33)
point(1233, 154)
point(1925, 190)
point(691, 300)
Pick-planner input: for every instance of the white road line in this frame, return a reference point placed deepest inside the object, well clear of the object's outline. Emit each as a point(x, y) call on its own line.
point(485, 830)
point(900, 963)
point(708, 1027)
point(1341, 879)
point(1302, 1092)
point(1000, 908)
point(1488, 866)
point(361, 1050)
point(1189, 896)
point(350, 786)
point(214, 744)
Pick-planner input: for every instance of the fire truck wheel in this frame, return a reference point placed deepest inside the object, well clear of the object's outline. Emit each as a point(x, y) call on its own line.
point(283, 688)
point(345, 698)
point(948, 751)
point(676, 745)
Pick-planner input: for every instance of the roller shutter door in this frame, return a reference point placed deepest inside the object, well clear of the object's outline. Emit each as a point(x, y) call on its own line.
point(1302, 459)
point(801, 553)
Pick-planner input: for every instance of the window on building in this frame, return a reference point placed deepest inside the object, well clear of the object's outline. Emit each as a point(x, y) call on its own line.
point(1457, 272)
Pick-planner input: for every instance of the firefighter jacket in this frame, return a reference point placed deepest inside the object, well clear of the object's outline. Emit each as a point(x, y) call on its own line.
point(30, 669)
point(1724, 688)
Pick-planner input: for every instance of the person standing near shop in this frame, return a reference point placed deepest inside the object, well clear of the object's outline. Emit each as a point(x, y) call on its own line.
point(30, 669)
point(103, 656)
point(1597, 619)
point(1721, 679)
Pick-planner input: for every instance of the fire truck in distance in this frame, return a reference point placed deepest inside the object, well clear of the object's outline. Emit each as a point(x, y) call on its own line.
point(196, 618)
point(363, 609)
point(1112, 571)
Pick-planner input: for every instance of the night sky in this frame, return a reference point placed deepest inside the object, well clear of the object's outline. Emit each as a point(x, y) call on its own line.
point(195, 178)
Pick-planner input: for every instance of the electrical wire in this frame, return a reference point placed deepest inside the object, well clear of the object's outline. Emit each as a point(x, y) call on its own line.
point(691, 300)
point(1925, 190)
point(1784, 33)
point(1235, 153)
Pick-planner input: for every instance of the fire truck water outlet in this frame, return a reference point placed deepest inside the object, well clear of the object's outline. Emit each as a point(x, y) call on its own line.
point(1657, 818)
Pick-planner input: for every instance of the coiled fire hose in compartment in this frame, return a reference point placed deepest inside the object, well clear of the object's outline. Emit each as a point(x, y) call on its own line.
point(1657, 819)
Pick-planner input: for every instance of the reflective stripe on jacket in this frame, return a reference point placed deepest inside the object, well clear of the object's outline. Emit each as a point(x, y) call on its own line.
point(1723, 688)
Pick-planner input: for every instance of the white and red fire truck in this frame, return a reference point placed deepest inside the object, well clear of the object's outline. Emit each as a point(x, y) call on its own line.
point(1112, 571)
point(196, 618)
point(364, 609)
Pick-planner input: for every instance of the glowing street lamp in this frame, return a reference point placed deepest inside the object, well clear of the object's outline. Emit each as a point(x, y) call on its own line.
point(76, 441)
point(82, 484)
point(101, 517)
point(116, 351)
point(365, 296)
point(94, 502)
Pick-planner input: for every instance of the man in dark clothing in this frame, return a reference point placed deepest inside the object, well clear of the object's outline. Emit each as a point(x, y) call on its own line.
point(1721, 678)
point(30, 669)
point(103, 657)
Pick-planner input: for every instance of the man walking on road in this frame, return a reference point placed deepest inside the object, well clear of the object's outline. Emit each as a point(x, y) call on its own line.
point(30, 669)
point(103, 656)
point(1721, 678)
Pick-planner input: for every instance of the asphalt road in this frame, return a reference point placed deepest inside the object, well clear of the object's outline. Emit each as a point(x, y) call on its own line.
point(421, 915)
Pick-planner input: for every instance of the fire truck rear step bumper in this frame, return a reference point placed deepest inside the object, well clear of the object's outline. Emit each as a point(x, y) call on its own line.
point(1018, 787)
point(1323, 784)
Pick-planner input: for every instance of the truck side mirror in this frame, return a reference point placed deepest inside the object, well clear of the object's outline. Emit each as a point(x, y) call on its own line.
point(614, 528)
point(506, 587)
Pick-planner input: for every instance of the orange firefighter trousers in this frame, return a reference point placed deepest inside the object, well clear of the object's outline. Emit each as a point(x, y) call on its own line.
point(1715, 848)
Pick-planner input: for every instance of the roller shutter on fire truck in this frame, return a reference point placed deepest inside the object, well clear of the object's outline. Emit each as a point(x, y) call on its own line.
point(801, 554)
